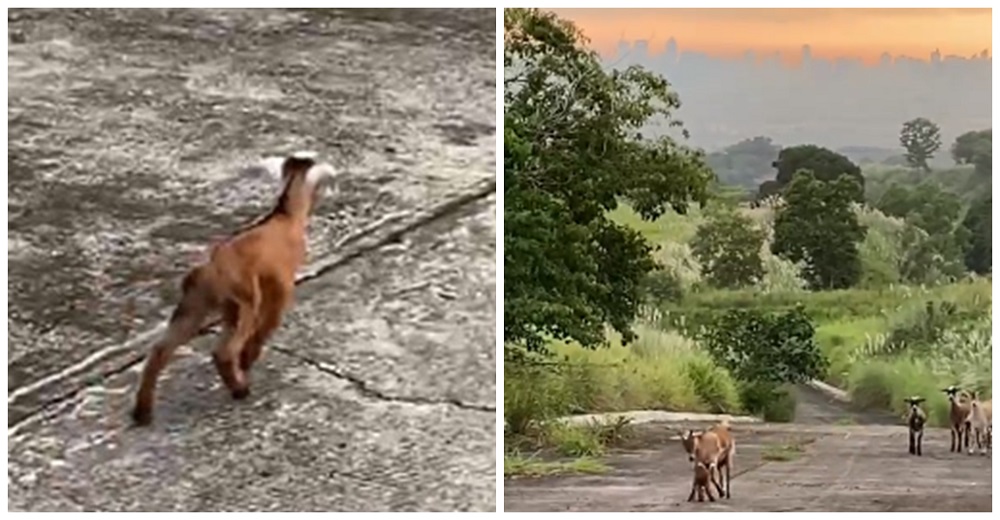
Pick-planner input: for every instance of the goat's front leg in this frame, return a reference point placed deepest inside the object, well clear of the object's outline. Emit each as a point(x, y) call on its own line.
point(920, 443)
point(227, 351)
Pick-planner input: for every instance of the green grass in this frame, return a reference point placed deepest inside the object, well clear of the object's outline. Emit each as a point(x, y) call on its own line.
point(670, 227)
point(782, 452)
point(518, 466)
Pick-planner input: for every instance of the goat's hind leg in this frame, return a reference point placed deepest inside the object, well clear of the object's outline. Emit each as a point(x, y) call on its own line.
point(184, 324)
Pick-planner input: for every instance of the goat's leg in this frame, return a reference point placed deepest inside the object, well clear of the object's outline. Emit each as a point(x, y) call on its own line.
point(913, 443)
point(729, 475)
point(274, 300)
point(228, 348)
point(694, 489)
point(952, 448)
point(717, 481)
point(920, 443)
point(182, 327)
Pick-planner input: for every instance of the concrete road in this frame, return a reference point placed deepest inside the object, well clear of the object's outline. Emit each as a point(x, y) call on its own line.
point(831, 459)
point(128, 131)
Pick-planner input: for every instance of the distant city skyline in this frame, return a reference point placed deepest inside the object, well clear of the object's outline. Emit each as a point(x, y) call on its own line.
point(805, 55)
point(867, 36)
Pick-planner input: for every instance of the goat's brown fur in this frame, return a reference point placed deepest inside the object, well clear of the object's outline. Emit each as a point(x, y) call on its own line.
point(958, 417)
point(723, 433)
point(981, 419)
point(708, 450)
point(249, 279)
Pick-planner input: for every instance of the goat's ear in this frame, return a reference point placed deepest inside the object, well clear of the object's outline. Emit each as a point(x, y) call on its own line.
point(270, 166)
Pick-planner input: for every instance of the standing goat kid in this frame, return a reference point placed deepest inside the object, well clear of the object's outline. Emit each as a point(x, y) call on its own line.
point(958, 416)
point(707, 450)
point(249, 280)
point(916, 418)
point(981, 417)
point(724, 434)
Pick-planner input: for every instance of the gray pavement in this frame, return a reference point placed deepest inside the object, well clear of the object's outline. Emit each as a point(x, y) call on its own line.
point(127, 133)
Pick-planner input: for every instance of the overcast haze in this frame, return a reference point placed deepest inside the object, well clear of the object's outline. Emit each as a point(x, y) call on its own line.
point(834, 77)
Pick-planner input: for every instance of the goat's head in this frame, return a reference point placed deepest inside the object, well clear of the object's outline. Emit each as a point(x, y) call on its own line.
point(689, 438)
point(300, 172)
point(914, 401)
point(952, 393)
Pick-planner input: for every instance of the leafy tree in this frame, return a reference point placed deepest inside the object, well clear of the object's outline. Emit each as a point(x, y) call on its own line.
point(975, 148)
point(825, 164)
point(818, 225)
point(766, 348)
point(933, 242)
point(921, 139)
point(978, 223)
point(728, 247)
point(572, 149)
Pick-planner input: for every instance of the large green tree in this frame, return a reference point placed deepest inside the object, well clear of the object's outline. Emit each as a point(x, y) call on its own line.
point(572, 150)
point(921, 139)
point(818, 225)
point(975, 148)
point(727, 247)
point(825, 164)
point(978, 223)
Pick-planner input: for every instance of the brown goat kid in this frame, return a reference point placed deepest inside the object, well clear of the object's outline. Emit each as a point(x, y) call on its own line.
point(249, 280)
point(958, 416)
point(707, 451)
point(723, 432)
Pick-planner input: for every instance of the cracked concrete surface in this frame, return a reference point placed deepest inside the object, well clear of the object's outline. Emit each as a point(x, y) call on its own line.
point(128, 129)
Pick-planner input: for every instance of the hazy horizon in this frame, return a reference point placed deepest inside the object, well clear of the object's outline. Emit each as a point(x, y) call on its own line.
point(826, 99)
point(863, 34)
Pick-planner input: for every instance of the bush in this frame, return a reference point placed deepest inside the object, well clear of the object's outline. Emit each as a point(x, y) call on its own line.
point(713, 385)
point(772, 402)
point(531, 394)
point(574, 441)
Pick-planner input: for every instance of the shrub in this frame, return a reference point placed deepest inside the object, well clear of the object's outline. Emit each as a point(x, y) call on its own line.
point(713, 385)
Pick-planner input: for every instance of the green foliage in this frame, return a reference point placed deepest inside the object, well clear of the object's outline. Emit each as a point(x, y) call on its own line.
point(728, 247)
point(713, 385)
point(932, 241)
point(572, 149)
point(826, 165)
point(817, 225)
point(978, 223)
point(758, 347)
point(975, 148)
point(573, 441)
point(921, 139)
point(770, 401)
point(662, 285)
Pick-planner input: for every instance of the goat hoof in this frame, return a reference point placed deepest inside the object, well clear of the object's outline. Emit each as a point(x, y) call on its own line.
point(142, 416)
point(240, 394)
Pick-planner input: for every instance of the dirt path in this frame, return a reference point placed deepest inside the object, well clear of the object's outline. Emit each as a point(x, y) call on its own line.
point(829, 467)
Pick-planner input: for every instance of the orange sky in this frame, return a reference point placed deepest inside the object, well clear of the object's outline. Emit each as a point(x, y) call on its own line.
point(831, 33)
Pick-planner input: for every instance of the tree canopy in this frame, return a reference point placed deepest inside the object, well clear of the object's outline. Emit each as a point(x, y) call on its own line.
point(818, 225)
point(921, 139)
point(728, 247)
point(572, 150)
point(825, 164)
point(975, 148)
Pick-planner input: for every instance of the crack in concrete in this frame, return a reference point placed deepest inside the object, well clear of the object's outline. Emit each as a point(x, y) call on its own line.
point(363, 242)
point(362, 387)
